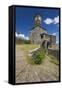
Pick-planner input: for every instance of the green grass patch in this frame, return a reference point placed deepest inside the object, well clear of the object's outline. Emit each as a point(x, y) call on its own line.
point(38, 57)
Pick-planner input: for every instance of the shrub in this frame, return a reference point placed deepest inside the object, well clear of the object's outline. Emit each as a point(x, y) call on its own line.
point(22, 41)
point(27, 42)
point(38, 57)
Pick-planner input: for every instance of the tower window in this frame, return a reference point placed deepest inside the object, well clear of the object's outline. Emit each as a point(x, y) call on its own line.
point(41, 36)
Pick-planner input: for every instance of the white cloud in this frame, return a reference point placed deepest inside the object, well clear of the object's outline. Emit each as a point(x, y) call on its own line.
point(53, 33)
point(21, 36)
point(55, 20)
point(16, 34)
point(27, 38)
point(57, 41)
point(48, 21)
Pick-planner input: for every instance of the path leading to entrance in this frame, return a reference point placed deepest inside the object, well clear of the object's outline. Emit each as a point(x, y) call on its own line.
point(26, 72)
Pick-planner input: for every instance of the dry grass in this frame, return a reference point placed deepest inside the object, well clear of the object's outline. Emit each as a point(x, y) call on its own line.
point(27, 47)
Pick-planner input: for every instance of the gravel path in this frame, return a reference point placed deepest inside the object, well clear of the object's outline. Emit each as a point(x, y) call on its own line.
point(26, 72)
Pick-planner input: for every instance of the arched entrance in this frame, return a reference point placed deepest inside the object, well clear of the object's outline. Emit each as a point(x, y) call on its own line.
point(45, 45)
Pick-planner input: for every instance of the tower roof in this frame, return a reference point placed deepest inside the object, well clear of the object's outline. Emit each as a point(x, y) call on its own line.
point(37, 20)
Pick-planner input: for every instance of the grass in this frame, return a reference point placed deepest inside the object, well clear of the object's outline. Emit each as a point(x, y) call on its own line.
point(38, 57)
point(27, 47)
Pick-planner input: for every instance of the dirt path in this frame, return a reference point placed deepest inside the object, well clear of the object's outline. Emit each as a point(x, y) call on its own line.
point(26, 72)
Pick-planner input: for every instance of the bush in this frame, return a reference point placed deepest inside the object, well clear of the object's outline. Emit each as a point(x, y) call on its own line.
point(38, 57)
point(27, 42)
point(22, 41)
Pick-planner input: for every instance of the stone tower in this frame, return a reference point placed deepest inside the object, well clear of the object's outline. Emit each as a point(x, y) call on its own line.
point(37, 30)
point(37, 20)
point(39, 35)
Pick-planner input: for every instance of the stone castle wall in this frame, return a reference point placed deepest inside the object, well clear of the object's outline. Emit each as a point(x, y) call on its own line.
point(55, 53)
point(53, 39)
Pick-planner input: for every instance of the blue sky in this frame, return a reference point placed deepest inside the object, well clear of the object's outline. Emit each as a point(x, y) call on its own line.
point(25, 20)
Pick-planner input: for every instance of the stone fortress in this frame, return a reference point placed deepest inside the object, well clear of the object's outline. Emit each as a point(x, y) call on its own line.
point(39, 35)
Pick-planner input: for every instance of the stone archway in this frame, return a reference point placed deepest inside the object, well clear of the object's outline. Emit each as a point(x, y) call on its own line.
point(45, 45)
